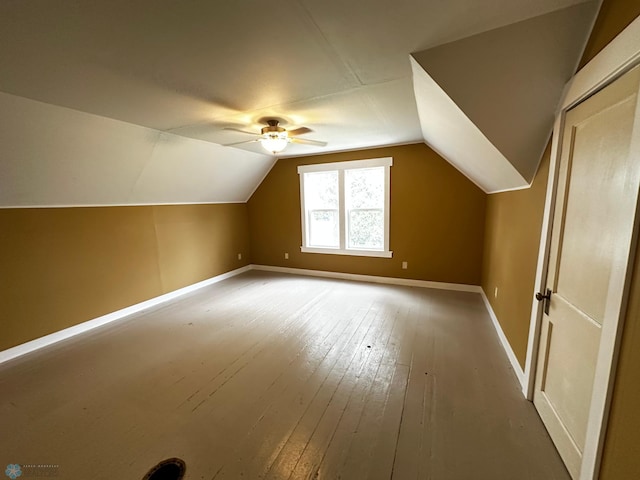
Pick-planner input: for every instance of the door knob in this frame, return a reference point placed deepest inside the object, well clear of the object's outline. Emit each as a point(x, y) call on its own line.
point(546, 298)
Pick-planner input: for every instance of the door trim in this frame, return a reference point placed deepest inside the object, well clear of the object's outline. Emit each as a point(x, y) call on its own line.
point(617, 58)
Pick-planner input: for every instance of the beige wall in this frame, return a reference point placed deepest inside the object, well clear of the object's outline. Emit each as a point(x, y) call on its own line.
point(63, 266)
point(511, 247)
point(614, 16)
point(437, 219)
point(512, 239)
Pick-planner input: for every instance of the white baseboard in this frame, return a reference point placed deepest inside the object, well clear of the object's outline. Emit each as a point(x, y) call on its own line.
point(505, 343)
point(370, 278)
point(55, 337)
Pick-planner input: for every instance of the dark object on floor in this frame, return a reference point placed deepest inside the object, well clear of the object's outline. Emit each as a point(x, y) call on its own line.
point(170, 469)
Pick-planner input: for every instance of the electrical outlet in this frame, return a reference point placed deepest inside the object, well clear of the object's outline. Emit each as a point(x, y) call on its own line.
point(239, 256)
point(405, 265)
point(495, 293)
point(286, 256)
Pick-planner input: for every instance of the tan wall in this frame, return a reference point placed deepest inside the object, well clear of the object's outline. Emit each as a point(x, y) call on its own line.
point(512, 240)
point(511, 247)
point(63, 266)
point(437, 219)
point(614, 16)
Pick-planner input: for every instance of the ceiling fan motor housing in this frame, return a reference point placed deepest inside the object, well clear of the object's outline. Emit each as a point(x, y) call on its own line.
point(272, 127)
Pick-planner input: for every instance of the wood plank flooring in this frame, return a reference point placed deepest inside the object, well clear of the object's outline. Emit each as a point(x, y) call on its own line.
point(270, 376)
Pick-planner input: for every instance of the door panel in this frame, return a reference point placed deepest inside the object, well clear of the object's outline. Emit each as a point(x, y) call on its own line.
point(590, 245)
point(573, 346)
point(593, 218)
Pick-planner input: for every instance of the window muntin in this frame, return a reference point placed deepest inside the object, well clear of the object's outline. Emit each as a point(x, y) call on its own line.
point(345, 207)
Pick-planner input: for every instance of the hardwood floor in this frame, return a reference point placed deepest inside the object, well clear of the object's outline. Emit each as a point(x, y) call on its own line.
point(275, 376)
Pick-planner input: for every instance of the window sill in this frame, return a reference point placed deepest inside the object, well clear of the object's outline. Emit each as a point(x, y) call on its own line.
point(356, 253)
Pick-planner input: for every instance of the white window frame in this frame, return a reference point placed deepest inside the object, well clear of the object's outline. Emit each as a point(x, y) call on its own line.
point(340, 167)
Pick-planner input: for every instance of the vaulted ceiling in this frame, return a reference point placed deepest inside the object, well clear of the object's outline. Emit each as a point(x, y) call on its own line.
point(121, 102)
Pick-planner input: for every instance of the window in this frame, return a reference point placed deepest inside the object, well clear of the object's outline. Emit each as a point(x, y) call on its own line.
point(345, 207)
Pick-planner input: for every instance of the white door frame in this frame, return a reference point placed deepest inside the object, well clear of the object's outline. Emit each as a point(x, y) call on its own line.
point(620, 56)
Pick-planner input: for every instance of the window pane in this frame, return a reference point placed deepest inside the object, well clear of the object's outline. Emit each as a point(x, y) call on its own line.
point(366, 229)
point(364, 201)
point(321, 190)
point(364, 188)
point(321, 202)
point(324, 228)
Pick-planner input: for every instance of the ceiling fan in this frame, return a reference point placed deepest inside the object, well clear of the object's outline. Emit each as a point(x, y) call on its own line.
point(275, 138)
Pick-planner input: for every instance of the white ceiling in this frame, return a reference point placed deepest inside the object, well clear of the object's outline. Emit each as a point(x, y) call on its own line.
point(190, 69)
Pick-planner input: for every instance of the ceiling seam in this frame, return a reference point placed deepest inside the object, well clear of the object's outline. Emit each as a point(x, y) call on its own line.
point(362, 87)
point(146, 164)
point(331, 50)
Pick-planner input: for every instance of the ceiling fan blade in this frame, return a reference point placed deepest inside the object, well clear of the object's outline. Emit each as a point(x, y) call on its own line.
point(240, 143)
point(306, 141)
point(240, 131)
point(299, 131)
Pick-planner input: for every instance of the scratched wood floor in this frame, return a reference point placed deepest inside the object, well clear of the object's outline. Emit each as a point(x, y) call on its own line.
point(274, 377)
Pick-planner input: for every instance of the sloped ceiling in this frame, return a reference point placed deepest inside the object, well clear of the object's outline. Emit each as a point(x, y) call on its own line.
point(54, 156)
point(169, 77)
point(508, 82)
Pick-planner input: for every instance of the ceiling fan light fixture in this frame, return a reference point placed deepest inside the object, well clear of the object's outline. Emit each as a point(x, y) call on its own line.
point(274, 142)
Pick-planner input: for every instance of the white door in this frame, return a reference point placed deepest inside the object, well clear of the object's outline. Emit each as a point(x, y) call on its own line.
point(591, 241)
